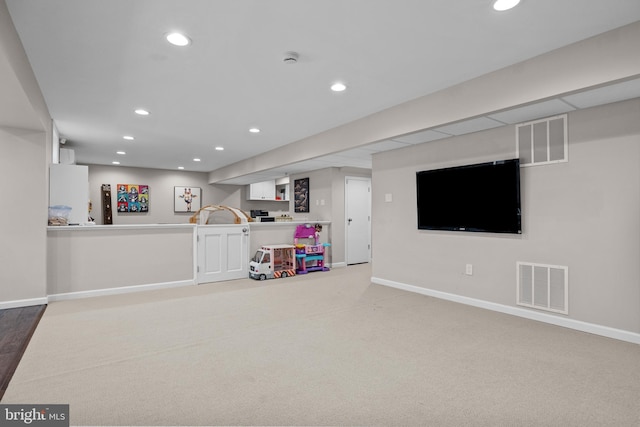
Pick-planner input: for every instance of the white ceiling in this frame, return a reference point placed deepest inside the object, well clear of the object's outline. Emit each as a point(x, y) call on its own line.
point(96, 61)
point(362, 157)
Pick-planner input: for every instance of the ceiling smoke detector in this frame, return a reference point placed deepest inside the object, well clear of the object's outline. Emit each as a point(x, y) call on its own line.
point(290, 58)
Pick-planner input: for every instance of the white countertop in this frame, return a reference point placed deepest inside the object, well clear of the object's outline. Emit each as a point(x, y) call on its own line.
point(167, 226)
point(285, 223)
point(116, 227)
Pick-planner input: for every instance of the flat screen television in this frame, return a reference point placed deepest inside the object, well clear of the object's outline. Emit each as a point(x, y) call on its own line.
point(482, 197)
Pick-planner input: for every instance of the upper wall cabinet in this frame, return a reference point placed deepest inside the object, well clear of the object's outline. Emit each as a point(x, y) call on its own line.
point(269, 190)
point(265, 190)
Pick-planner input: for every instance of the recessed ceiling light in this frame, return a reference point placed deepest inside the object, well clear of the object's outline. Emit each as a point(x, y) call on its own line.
point(180, 167)
point(254, 130)
point(502, 5)
point(128, 137)
point(219, 148)
point(338, 87)
point(115, 163)
point(196, 160)
point(142, 112)
point(122, 153)
point(178, 39)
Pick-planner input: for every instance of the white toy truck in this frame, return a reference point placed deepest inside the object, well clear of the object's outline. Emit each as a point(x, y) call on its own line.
point(272, 262)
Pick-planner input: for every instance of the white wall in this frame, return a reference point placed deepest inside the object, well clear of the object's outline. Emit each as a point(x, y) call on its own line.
point(25, 142)
point(584, 214)
point(23, 216)
point(161, 193)
point(275, 208)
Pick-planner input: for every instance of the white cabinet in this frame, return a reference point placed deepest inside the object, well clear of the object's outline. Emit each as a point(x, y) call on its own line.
point(69, 186)
point(265, 190)
point(269, 190)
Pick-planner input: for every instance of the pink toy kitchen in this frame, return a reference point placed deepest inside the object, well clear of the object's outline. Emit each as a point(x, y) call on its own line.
point(310, 253)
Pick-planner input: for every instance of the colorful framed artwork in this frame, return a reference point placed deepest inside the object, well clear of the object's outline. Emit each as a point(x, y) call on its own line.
point(301, 195)
point(186, 199)
point(133, 198)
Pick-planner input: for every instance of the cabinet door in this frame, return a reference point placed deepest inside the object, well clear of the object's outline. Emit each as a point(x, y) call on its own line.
point(265, 190)
point(268, 190)
point(252, 191)
point(223, 252)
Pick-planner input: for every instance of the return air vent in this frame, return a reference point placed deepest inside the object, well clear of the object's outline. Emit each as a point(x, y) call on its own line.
point(545, 287)
point(542, 141)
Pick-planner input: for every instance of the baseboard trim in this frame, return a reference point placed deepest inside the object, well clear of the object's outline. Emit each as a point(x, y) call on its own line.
point(591, 328)
point(338, 264)
point(117, 291)
point(22, 303)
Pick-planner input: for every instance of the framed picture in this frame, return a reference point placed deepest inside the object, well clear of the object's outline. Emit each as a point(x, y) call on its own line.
point(133, 198)
point(186, 199)
point(301, 195)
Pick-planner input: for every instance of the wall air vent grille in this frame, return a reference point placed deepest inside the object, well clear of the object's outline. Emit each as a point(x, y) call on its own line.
point(544, 287)
point(542, 142)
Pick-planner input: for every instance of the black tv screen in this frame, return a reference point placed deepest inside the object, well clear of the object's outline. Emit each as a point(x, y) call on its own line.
point(483, 197)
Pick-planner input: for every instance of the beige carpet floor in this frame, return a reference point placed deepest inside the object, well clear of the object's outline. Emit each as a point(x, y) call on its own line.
point(328, 348)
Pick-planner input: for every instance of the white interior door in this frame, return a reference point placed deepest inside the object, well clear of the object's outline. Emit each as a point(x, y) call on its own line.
point(223, 252)
point(358, 219)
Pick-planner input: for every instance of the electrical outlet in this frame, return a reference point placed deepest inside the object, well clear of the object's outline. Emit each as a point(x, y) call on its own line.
point(469, 270)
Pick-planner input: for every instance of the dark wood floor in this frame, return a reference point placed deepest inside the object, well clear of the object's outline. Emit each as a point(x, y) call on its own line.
point(16, 328)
